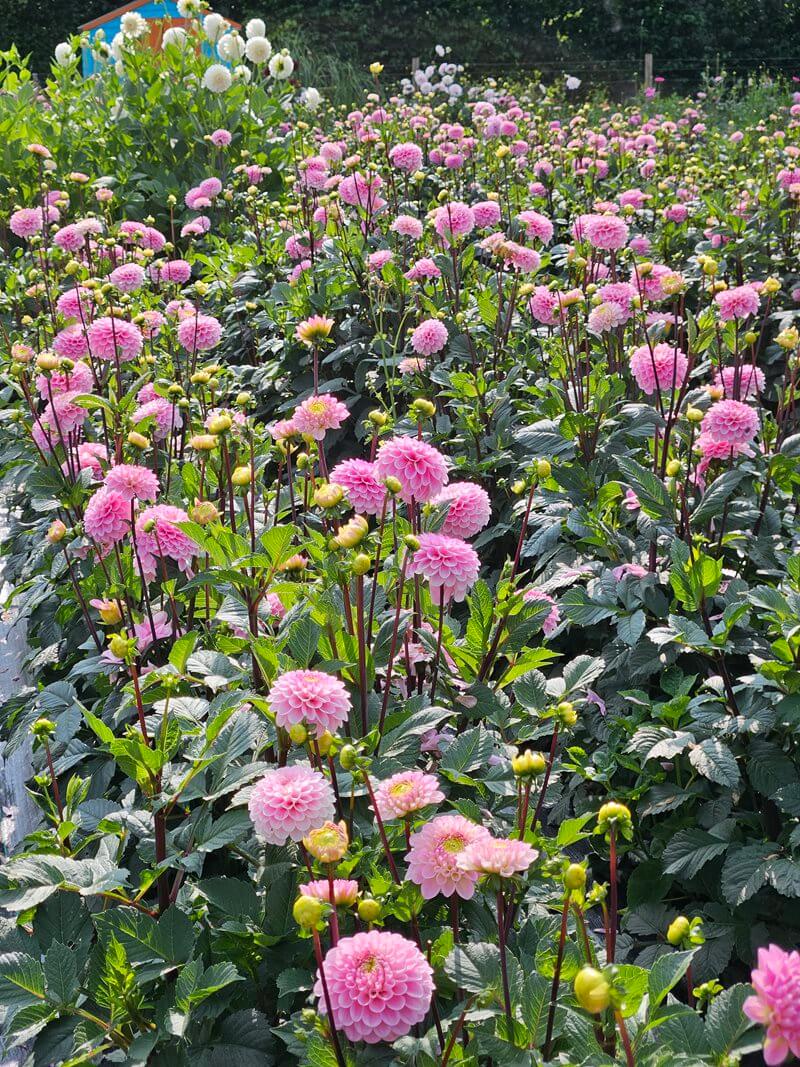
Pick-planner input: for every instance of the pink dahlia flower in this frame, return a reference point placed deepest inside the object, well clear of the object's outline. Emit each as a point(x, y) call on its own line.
point(419, 467)
point(107, 517)
point(433, 855)
point(360, 482)
point(318, 414)
point(553, 618)
point(27, 222)
point(165, 415)
point(737, 303)
point(750, 382)
point(71, 342)
point(486, 213)
point(776, 1004)
point(177, 271)
point(502, 856)
point(405, 793)
point(450, 566)
point(469, 509)
point(429, 337)
point(731, 422)
point(422, 270)
point(453, 220)
point(289, 802)
point(663, 369)
point(406, 156)
point(544, 305)
point(70, 238)
point(536, 225)
point(77, 380)
point(91, 456)
point(605, 231)
point(165, 539)
point(310, 697)
point(74, 302)
point(380, 986)
point(345, 891)
point(132, 482)
point(605, 317)
point(109, 337)
point(199, 333)
point(407, 226)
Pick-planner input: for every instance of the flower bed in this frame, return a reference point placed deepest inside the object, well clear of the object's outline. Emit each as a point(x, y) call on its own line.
point(408, 537)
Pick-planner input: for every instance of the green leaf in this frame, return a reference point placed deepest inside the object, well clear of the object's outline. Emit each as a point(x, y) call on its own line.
point(649, 488)
point(469, 750)
point(690, 850)
point(61, 974)
point(725, 1020)
point(243, 1039)
point(474, 967)
point(665, 974)
point(581, 672)
point(304, 636)
point(531, 691)
point(716, 762)
point(21, 981)
point(745, 872)
point(181, 649)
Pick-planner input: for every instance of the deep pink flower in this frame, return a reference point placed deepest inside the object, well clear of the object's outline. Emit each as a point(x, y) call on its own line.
point(502, 856)
point(663, 369)
point(132, 482)
point(289, 802)
point(77, 380)
point(177, 271)
point(433, 854)
point(536, 225)
point(108, 336)
point(605, 231)
point(486, 213)
point(453, 220)
point(450, 566)
point(731, 422)
point(199, 333)
point(318, 414)
point(429, 337)
point(107, 517)
point(469, 509)
point(310, 697)
point(406, 156)
point(70, 238)
point(419, 467)
point(748, 382)
point(71, 343)
point(776, 1004)
point(552, 620)
point(360, 482)
point(544, 305)
point(406, 792)
point(165, 539)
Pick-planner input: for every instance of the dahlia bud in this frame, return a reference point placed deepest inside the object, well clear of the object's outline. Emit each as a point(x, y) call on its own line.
point(566, 713)
point(528, 764)
point(47, 361)
point(328, 495)
point(352, 532)
point(543, 468)
point(244, 400)
point(361, 564)
point(328, 843)
point(119, 645)
point(411, 542)
point(394, 485)
point(592, 990)
point(43, 729)
point(138, 440)
point(200, 377)
point(375, 69)
point(369, 910)
point(242, 476)
point(307, 912)
point(220, 424)
point(56, 532)
point(678, 930)
point(715, 392)
point(575, 877)
point(423, 408)
point(109, 611)
point(750, 337)
point(694, 414)
point(294, 563)
point(298, 733)
point(518, 487)
point(324, 742)
point(788, 338)
point(204, 442)
point(772, 285)
point(613, 815)
point(674, 468)
point(203, 512)
point(347, 757)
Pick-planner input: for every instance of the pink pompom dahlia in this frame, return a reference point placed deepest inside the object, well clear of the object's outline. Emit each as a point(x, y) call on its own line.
point(450, 566)
point(380, 986)
point(110, 337)
point(453, 220)
point(536, 225)
point(310, 697)
point(107, 517)
point(318, 414)
point(429, 337)
point(662, 369)
point(737, 303)
point(419, 467)
point(132, 482)
point(406, 156)
point(433, 855)
point(71, 342)
point(748, 382)
point(406, 792)
point(127, 278)
point(76, 380)
point(158, 535)
point(731, 422)
point(360, 482)
point(486, 213)
point(407, 226)
point(290, 802)
point(501, 856)
point(776, 1003)
point(199, 333)
point(605, 232)
point(469, 509)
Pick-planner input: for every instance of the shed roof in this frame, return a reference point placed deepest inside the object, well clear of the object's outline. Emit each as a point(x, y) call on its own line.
point(109, 16)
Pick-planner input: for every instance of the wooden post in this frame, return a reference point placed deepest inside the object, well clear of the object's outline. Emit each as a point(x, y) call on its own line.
point(648, 70)
point(415, 64)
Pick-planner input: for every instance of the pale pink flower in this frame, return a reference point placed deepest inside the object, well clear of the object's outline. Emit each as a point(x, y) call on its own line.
point(605, 317)
point(419, 467)
point(449, 565)
point(289, 802)
point(737, 303)
point(748, 382)
point(275, 606)
point(429, 337)
point(406, 156)
point(71, 342)
point(486, 213)
point(776, 1003)
point(165, 415)
point(127, 278)
point(176, 271)
point(377, 260)
point(605, 231)
point(313, 698)
point(553, 618)
point(132, 482)
point(433, 854)
point(453, 220)
point(544, 305)
point(469, 509)
point(502, 856)
point(731, 422)
point(407, 226)
point(318, 414)
point(70, 238)
point(360, 482)
point(664, 368)
point(406, 792)
point(422, 270)
point(220, 138)
point(107, 517)
point(380, 986)
point(345, 891)
point(199, 333)
point(536, 225)
point(27, 222)
point(412, 365)
point(111, 336)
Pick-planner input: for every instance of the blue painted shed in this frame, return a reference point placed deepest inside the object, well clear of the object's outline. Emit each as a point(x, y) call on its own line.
point(161, 14)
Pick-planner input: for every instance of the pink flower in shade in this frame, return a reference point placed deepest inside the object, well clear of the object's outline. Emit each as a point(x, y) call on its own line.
point(487, 213)
point(380, 986)
point(432, 857)
point(520, 257)
point(664, 368)
point(165, 415)
point(554, 618)
point(450, 566)
point(377, 260)
point(289, 802)
point(631, 501)
point(360, 482)
point(132, 482)
point(536, 225)
point(731, 422)
point(78, 380)
point(109, 336)
point(406, 792)
point(429, 337)
point(345, 891)
point(423, 270)
point(501, 856)
point(776, 1003)
point(220, 138)
point(282, 430)
point(544, 305)
point(453, 220)
point(406, 156)
point(605, 231)
point(312, 698)
point(71, 342)
point(107, 517)
point(412, 365)
point(165, 539)
point(748, 382)
point(199, 333)
point(632, 569)
point(152, 321)
point(127, 278)
point(469, 509)
point(318, 414)
point(737, 303)
point(419, 467)
point(275, 606)
point(91, 456)
point(407, 226)
point(74, 301)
